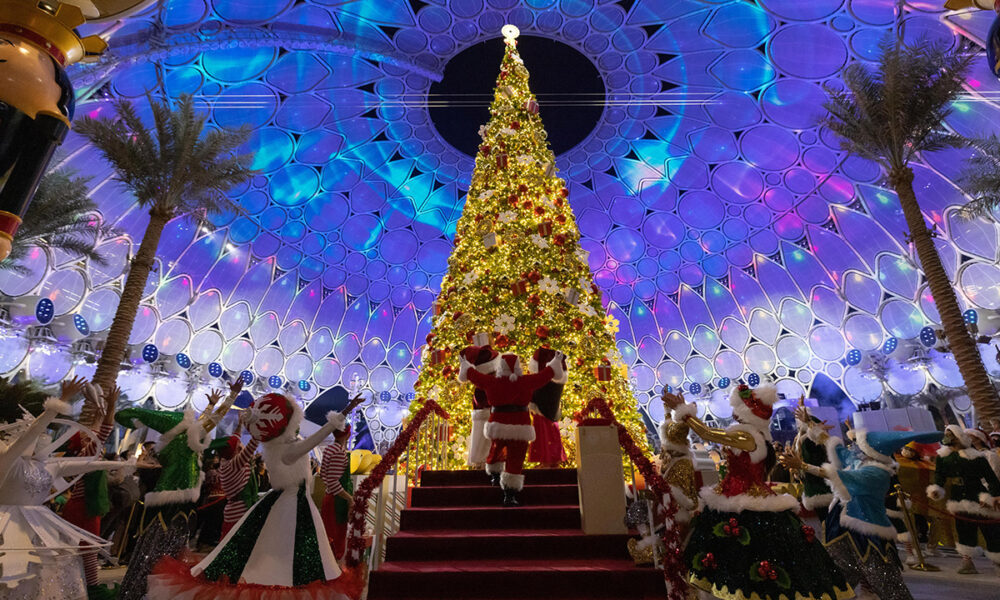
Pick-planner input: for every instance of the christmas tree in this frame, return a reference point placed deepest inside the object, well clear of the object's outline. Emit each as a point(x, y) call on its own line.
point(518, 273)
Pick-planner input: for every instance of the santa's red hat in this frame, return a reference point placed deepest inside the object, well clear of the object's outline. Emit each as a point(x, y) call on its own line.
point(510, 366)
point(754, 406)
point(482, 358)
point(274, 416)
point(543, 358)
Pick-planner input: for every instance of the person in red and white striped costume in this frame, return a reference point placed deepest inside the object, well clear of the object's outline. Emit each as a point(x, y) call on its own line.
point(234, 472)
point(88, 497)
point(337, 503)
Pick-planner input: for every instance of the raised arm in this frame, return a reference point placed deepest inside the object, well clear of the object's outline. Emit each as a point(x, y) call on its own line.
point(741, 440)
point(335, 421)
point(53, 408)
point(210, 418)
point(71, 467)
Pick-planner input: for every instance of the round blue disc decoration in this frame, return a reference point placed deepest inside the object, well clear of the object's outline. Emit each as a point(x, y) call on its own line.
point(410, 396)
point(215, 369)
point(150, 353)
point(695, 388)
point(384, 396)
point(668, 389)
point(44, 311)
point(890, 345)
point(243, 400)
point(183, 360)
point(753, 379)
point(247, 377)
point(304, 385)
point(853, 357)
point(927, 336)
point(970, 316)
point(80, 323)
point(274, 381)
point(723, 383)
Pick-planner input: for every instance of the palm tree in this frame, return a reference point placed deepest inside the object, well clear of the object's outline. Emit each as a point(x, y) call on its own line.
point(176, 167)
point(61, 216)
point(889, 115)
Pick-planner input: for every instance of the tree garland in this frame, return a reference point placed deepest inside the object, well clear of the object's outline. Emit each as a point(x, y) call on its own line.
point(356, 522)
point(674, 569)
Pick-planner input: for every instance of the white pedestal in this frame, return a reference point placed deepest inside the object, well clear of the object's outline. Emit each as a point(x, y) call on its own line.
point(895, 419)
point(601, 480)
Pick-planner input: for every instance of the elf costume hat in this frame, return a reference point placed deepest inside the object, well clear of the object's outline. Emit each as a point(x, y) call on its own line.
point(541, 359)
point(754, 407)
point(881, 445)
point(274, 417)
point(482, 358)
point(510, 366)
point(227, 447)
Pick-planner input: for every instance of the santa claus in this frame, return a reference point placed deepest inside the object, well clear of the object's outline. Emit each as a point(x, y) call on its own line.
point(508, 393)
point(484, 360)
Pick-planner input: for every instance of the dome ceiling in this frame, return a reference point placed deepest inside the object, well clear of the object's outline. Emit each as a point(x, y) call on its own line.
point(728, 234)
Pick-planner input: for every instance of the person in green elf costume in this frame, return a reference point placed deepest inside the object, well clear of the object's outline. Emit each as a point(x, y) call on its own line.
point(168, 516)
point(965, 478)
point(811, 443)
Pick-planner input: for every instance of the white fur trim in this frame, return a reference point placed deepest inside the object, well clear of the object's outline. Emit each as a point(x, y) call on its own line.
point(463, 369)
point(57, 406)
point(817, 501)
point(887, 532)
point(684, 411)
point(486, 368)
point(175, 496)
point(993, 556)
point(742, 502)
point(936, 492)
point(182, 427)
point(971, 508)
point(944, 451)
point(836, 484)
point(816, 433)
point(559, 374)
point(671, 446)
point(504, 431)
point(965, 551)
point(862, 441)
point(743, 414)
point(765, 393)
point(511, 481)
point(979, 435)
point(504, 369)
point(294, 421)
point(480, 414)
point(904, 537)
point(494, 468)
point(760, 438)
point(337, 419)
point(894, 514)
point(959, 434)
point(986, 498)
point(831, 451)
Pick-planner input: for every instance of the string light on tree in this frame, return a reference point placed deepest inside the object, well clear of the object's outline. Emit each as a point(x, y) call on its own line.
point(517, 272)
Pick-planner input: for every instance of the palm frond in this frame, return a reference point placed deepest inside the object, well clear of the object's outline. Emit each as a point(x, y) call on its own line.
point(981, 178)
point(63, 217)
point(890, 113)
point(178, 165)
point(20, 394)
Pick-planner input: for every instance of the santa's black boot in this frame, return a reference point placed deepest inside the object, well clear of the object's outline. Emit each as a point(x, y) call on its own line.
point(510, 497)
point(494, 478)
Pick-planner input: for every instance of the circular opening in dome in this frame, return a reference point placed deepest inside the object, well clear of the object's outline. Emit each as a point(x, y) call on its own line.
point(568, 86)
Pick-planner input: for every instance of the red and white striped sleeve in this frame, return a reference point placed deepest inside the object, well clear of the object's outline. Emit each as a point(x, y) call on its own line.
point(332, 468)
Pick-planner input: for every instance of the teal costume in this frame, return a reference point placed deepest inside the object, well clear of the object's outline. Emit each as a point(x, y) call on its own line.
point(967, 480)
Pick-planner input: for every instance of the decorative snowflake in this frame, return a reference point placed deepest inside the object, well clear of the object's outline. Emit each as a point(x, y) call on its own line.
point(549, 285)
point(470, 277)
point(525, 159)
point(504, 323)
point(486, 195)
point(539, 241)
point(612, 324)
point(483, 130)
point(508, 216)
point(588, 310)
point(507, 131)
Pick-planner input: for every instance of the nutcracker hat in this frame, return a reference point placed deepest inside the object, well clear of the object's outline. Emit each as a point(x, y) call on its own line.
point(881, 445)
point(483, 358)
point(510, 366)
point(541, 359)
point(274, 416)
point(754, 406)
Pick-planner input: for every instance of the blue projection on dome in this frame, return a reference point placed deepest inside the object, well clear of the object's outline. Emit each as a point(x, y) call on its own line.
point(730, 237)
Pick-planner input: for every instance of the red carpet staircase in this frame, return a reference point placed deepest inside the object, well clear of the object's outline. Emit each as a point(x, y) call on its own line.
point(456, 541)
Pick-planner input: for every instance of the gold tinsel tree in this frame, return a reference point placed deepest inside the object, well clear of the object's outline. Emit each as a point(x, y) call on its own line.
point(518, 273)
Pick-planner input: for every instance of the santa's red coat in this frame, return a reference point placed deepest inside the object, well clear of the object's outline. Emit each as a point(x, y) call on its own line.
point(501, 391)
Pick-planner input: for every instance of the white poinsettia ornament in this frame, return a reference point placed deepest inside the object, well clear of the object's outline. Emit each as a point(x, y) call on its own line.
point(525, 159)
point(549, 285)
point(507, 216)
point(539, 241)
point(470, 277)
point(483, 130)
point(588, 310)
point(504, 323)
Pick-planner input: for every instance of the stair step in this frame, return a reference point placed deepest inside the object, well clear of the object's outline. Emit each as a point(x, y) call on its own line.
point(553, 578)
point(500, 544)
point(479, 477)
point(491, 517)
point(476, 495)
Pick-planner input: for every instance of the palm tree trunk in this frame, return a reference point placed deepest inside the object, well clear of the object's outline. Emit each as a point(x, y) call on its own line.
point(970, 363)
point(135, 283)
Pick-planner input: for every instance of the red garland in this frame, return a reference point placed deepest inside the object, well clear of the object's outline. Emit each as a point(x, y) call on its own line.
point(356, 522)
point(674, 569)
